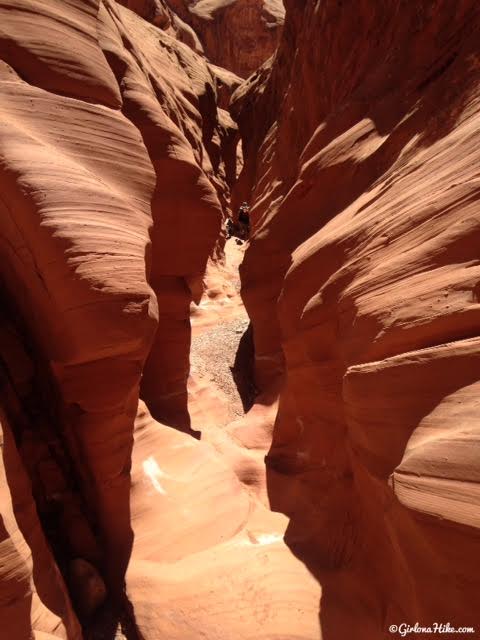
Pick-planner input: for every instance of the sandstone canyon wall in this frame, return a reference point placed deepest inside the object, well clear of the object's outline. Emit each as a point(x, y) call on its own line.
point(346, 499)
point(238, 35)
point(159, 13)
point(362, 150)
point(111, 147)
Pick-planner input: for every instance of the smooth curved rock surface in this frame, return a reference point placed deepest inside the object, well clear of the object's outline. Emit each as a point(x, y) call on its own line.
point(238, 35)
point(159, 13)
point(33, 596)
point(235, 35)
point(361, 279)
point(111, 148)
point(214, 564)
point(346, 499)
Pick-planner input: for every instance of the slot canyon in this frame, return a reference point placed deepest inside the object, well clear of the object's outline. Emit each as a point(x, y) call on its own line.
point(219, 430)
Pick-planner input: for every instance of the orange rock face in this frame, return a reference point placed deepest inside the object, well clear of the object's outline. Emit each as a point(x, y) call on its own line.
point(159, 13)
point(362, 277)
point(111, 148)
point(33, 596)
point(343, 498)
point(154, 11)
point(238, 35)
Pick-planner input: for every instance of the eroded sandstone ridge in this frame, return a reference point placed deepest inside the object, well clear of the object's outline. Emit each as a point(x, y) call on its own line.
point(238, 35)
point(362, 150)
point(346, 498)
point(116, 165)
point(111, 147)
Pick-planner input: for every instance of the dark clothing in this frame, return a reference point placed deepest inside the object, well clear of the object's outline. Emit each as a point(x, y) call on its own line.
point(241, 229)
point(243, 217)
point(244, 220)
point(230, 228)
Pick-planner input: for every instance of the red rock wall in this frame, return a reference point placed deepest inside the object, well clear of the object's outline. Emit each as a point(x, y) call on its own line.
point(361, 280)
point(113, 187)
point(159, 13)
point(154, 11)
point(32, 593)
point(362, 152)
point(238, 35)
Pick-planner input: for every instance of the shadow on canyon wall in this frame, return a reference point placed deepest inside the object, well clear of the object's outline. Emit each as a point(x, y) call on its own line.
point(378, 562)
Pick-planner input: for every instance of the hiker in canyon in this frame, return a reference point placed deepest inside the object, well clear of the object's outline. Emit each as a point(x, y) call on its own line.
point(273, 436)
point(230, 228)
point(244, 220)
point(241, 229)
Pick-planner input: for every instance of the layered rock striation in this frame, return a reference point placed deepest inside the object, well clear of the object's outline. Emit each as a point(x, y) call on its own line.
point(235, 35)
point(238, 35)
point(361, 280)
point(113, 188)
point(346, 499)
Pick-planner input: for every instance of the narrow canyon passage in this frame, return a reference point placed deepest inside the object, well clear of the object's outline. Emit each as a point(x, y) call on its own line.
point(221, 352)
point(223, 549)
point(182, 462)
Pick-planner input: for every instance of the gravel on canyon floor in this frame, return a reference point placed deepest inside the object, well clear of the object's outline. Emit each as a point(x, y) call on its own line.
point(215, 355)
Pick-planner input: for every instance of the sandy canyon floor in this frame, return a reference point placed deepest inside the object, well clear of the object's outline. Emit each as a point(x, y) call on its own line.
point(221, 565)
